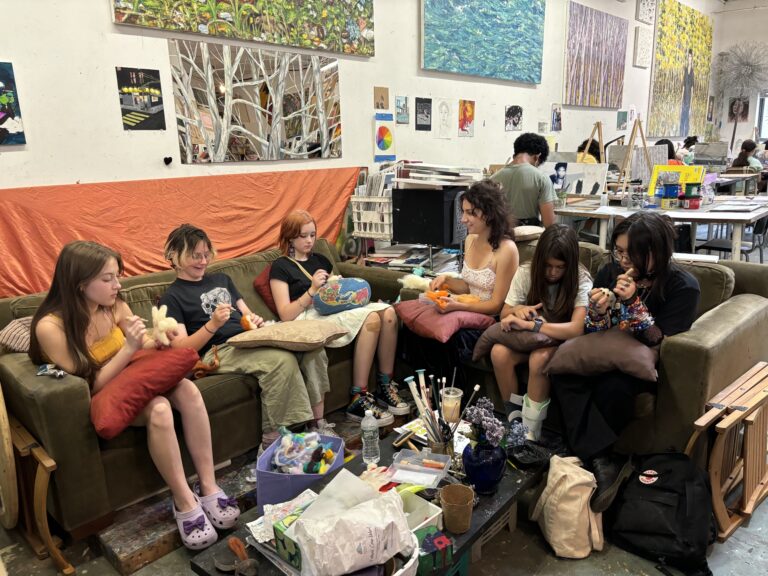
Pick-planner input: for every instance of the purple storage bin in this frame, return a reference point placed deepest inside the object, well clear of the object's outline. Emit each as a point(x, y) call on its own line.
point(275, 487)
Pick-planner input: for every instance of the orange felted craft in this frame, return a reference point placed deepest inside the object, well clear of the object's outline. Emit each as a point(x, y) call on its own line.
point(149, 374)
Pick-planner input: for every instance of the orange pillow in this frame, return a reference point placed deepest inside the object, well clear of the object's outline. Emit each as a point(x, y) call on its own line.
point(425, 320)
point(261, 284)
point(149, 374)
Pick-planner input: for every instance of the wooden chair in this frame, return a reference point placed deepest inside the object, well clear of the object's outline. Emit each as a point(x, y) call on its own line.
point(737, 424)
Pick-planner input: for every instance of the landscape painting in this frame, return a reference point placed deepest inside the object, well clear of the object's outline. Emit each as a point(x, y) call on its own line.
point(11, 126)
point(343, 26)
point(681, 69)
point(595, 53)
point(244, 104)
point(501, 39)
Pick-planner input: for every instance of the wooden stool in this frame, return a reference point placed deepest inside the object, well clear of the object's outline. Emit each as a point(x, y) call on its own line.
point(34, 468)
point(738, 418)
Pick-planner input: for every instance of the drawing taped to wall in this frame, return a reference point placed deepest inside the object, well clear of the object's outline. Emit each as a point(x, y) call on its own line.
point(681, 69)
point(596, 49)
point(466, 118)
point(492, 38)
point(384, 137)
point(11, 125)
point(424, 114)
point(445, 118)
point(557, 118)
point(380, 98)
point(345, 27)
point(513, 118)
point(402, 112)
point(259, 104)
point(738, 109)
point(141, 99)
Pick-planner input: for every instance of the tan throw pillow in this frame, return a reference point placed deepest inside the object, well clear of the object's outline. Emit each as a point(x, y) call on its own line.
point(601, 352)
point(526, 233)
point(518, 340)
point(297, 335)
point(15, 336)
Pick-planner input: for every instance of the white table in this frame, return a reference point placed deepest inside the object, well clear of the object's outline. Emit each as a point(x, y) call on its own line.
point(606, 214)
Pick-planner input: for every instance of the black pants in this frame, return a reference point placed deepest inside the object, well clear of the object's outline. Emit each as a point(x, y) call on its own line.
point(594, 410)
point(438, 358)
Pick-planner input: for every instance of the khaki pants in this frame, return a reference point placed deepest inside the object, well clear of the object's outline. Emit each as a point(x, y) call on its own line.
point(290, 383)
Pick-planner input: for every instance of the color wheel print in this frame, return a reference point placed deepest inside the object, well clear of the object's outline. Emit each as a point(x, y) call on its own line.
point(384, 138)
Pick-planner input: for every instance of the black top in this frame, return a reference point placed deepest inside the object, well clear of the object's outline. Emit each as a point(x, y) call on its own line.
point(298, 283)
point(193, 303)
point(676, 311)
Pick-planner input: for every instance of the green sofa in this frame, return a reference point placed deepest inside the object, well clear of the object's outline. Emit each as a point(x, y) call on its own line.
point(728, 337)
point(96, 477)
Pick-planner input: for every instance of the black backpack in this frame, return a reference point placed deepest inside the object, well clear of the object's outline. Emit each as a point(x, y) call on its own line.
point(664, 513)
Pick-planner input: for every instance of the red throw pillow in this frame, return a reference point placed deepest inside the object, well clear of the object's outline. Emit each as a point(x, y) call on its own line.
point(261, 284)
point(426, 321)
point(149, 374)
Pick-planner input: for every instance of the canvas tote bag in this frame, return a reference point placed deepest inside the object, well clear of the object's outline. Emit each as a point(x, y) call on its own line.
point(563, 511)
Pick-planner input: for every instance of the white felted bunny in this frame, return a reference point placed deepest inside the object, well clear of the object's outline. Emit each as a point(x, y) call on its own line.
point(414, 282)
point(161, 324)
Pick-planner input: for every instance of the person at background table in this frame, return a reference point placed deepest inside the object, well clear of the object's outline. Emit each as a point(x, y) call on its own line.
point(746, 157)
point(671, 155)
point(658, 299)
point(86, 329)
point(529, 192)
point(588, 156)
point(491, 260)
point(548, 295)
point(685, 152)
point(209, 310)
point(296, 277)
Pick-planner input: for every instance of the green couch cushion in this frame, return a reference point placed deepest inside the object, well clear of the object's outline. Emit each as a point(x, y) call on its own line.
point(716, 283)
point(591, 256)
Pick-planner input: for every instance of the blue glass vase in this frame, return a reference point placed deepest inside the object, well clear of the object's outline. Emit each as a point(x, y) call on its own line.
point(484, 466)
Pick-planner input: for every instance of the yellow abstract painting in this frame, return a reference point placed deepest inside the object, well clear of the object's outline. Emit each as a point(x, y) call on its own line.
point(681, 69)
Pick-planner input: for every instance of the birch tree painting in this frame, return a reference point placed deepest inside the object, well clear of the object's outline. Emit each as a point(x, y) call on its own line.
point(241, 104)
point(595, 55)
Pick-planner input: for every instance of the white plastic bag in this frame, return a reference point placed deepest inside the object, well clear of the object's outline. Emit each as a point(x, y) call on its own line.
point(352, 538)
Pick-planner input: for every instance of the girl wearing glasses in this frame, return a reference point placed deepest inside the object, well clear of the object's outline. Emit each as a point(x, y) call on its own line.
point(655, 299)
point(87, 330)
point(549, 295)
point(209, 308)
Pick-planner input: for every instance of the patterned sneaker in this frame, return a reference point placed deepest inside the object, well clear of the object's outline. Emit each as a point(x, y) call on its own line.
point(361, 403)
point(386, 396)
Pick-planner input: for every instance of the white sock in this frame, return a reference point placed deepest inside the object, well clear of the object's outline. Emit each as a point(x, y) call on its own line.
point(534, 414)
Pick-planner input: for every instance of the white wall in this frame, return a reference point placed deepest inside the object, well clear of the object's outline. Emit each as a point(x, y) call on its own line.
point(64, 56)
point(739, 21)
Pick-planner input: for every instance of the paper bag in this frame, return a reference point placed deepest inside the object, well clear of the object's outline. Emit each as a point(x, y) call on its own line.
point(350, 526)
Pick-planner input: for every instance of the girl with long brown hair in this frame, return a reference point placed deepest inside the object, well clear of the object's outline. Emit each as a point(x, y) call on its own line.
point(550, 296)
point(85, 328)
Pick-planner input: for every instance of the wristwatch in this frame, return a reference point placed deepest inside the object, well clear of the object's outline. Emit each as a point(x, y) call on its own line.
point(537, 322)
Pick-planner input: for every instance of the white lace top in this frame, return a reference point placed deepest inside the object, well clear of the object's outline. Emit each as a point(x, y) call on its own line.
point(480, 282)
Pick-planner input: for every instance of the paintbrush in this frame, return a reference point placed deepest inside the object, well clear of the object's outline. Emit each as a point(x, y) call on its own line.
point(420, 406)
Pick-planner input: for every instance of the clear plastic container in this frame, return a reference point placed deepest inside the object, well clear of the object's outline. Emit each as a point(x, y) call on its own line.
point(423, 468)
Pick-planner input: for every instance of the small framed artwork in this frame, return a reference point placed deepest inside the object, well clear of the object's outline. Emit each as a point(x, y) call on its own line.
point(646, 11)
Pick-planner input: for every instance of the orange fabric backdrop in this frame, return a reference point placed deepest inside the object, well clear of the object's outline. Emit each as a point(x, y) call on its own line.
point(240, 212)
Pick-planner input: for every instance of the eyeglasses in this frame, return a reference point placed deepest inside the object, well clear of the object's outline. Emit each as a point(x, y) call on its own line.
point(199, 256)
point(620, 255)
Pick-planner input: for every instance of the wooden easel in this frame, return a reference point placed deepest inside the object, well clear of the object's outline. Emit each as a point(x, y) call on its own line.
point(598, 127)
point(626, 166)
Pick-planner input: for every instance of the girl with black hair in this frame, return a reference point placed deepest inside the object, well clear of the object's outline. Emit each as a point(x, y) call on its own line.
point(588, 155)
point(549, 295)
point(746, 157)
point(657, 299)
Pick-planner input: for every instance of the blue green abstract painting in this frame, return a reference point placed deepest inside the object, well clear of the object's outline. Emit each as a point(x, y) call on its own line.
point(11, 127)
point(493, 38)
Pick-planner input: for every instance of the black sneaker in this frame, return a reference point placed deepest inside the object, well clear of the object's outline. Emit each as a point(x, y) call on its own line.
point(387, 397)
point(361, 403)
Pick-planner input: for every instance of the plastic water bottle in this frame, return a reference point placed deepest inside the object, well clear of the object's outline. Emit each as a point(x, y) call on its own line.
point(370, 429)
